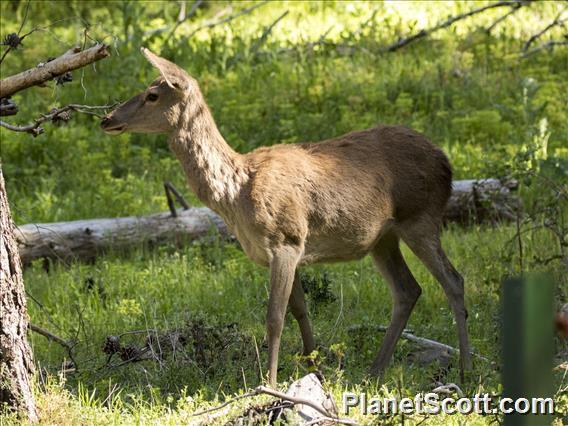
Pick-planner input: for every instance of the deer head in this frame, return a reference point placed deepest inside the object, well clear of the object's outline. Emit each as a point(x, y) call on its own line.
point(158, 108)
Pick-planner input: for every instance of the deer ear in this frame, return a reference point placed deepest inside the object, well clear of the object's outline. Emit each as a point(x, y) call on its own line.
point(175, 76)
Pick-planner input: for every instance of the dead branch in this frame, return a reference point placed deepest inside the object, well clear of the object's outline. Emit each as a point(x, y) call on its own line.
point(426, 32)
point(54, 338)
point(422, 341)
point(55, 115)
point(263, 390)
point(557, 22)
point(513, 10)
point(266, 32)
point(182, 18)
point(50, 335)
point(229, 18)
point(177, 194)
point(170, 200)
point(545, 46)
point(69, 61)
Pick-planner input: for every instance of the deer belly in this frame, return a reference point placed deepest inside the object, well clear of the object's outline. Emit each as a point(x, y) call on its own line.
point(336, 249)
point(343, 245)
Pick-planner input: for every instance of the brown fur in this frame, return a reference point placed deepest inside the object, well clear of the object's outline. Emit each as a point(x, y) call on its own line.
point(289, 205)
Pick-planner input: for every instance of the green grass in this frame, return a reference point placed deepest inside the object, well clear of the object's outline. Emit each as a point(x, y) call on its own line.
point(164, 290)
point(494, 114)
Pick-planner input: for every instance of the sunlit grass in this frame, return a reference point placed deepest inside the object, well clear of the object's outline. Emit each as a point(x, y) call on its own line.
point(163, 290)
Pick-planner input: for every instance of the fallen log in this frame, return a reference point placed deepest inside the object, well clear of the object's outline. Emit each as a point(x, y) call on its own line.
point(471, 201)
point(86, 239)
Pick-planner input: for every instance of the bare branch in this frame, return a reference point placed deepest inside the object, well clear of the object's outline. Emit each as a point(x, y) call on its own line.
point(18, 39)
point(184, 18)
point(548, 45)
point(57, 114)
point(177, 194)
point(557, 22)
point(59, 340)
point(296, 401)
point(50, 335)
point(423, 342)
point(228, 18)
point(69, 61)
point(425, 32)
point(513, 10)
point(267, 31)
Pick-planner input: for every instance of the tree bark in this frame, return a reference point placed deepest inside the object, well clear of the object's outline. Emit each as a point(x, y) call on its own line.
point(16, 366)
point(471, 201)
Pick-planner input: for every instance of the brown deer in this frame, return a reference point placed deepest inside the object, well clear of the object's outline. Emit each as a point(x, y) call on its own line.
point(295, 204)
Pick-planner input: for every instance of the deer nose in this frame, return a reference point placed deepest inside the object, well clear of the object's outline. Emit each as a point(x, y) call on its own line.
point(105, 120)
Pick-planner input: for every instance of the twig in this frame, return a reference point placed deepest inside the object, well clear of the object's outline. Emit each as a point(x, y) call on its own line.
point(424, 342)
point(514, 9)
point(177, 194)
point(19, 39)
point(170, 200)
point(267, 391)
point(303, 401)
point(266, 32)
point(228, 18)
point(35, 129)
point(184, 18)
point(425, 32)
point(547, 45)
point(69, 61)
point(50, 335)
point(536, 36)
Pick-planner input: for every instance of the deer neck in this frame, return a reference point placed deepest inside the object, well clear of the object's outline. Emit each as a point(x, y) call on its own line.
point(215, 172)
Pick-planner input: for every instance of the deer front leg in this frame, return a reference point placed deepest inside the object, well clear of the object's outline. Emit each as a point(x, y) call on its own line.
point(282, 270)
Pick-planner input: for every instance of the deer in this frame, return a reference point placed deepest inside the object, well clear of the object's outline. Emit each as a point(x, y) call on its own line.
point(295, 204)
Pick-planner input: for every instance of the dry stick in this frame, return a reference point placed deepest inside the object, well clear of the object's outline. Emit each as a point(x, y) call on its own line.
point(191, 12)
point(69, 61)
point(548, 45)
point(267, 391)
point(35, 129)
point(46, 333)
point(50, 335)
point(423, 33)
point(424, 342)
point(536, 36)
point(19, 31)
point(170, 200)
point(514, 9)
point(266, 32)
point(228, 18)
point(178, 195)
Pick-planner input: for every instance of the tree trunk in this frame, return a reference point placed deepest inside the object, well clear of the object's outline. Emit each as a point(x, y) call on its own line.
point(16, 367)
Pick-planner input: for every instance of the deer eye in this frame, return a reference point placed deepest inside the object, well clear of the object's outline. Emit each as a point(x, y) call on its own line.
point(152, 97)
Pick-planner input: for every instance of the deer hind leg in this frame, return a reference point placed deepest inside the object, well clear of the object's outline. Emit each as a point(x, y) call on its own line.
point(405, 292)
point(423, 238)
point(282, 271)
point(300, 312)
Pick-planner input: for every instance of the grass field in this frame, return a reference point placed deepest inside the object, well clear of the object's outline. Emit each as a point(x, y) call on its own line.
point(494, 113)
